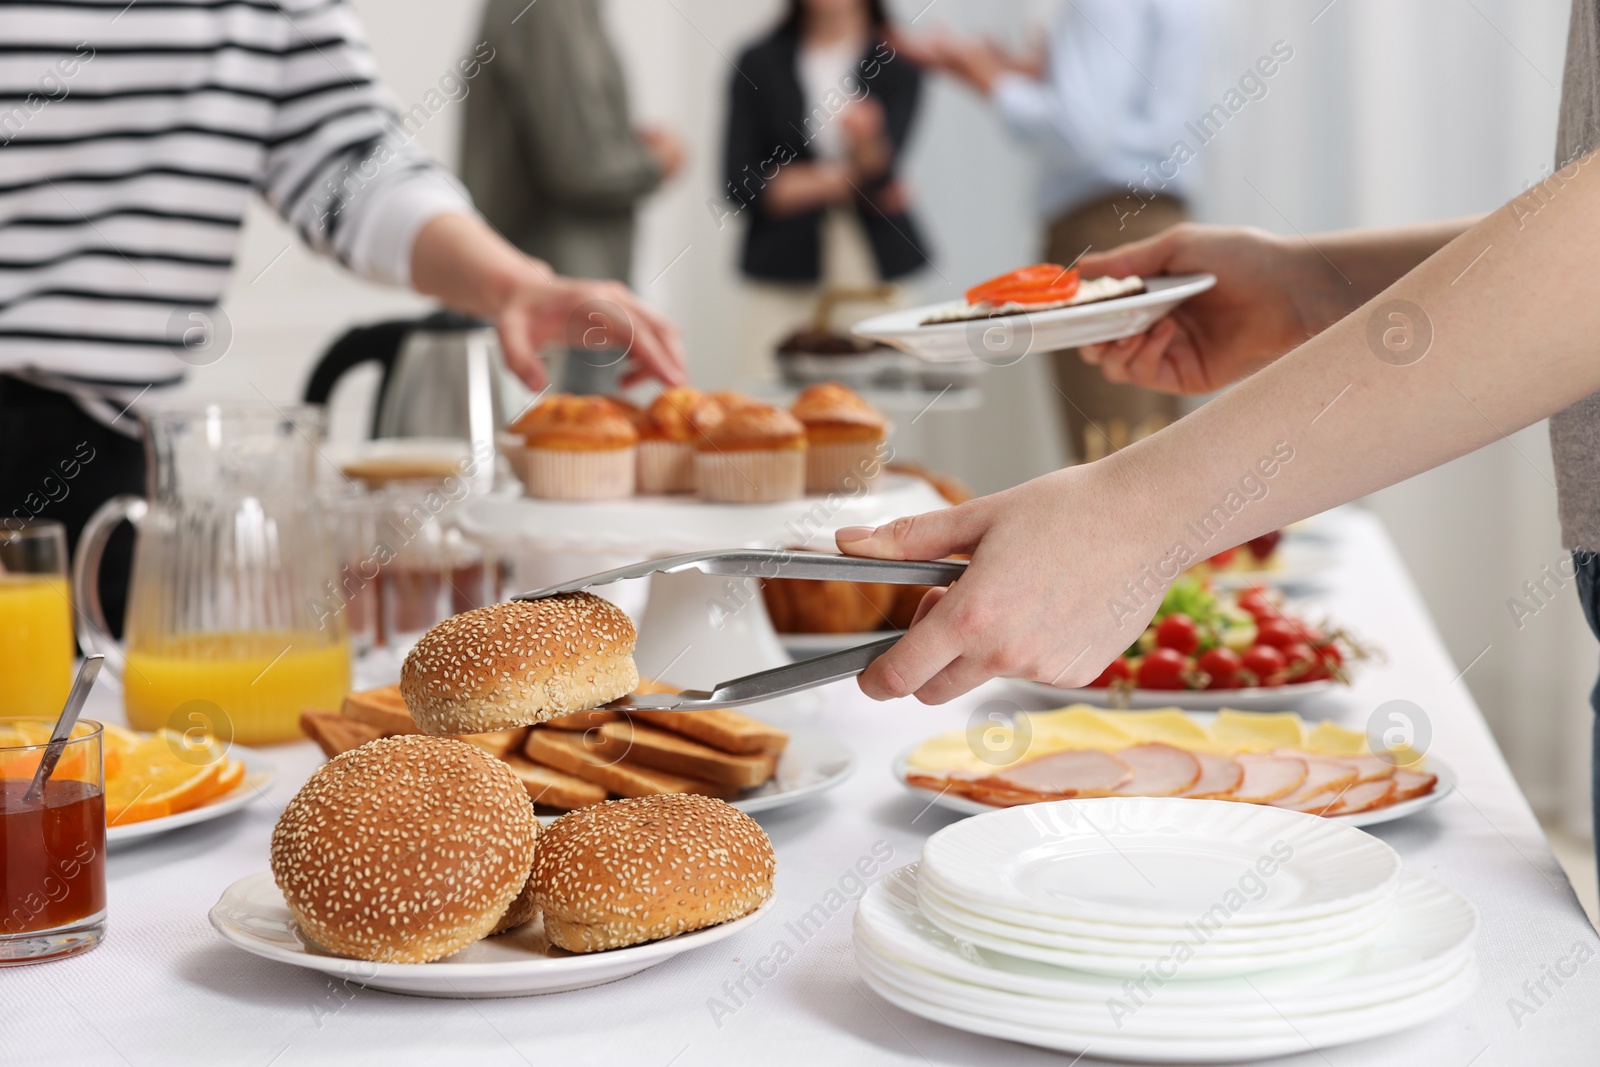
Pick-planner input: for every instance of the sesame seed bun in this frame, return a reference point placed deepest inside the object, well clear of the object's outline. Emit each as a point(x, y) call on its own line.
point(636, 870)
point(757, 427)
point(522, 910)
point(518, 663)
point(405, 849)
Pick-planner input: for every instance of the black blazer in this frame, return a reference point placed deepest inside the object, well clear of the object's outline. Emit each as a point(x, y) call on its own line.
point(767, 127)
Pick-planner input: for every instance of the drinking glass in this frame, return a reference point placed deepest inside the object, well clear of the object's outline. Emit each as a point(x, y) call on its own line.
point(52, 847)
point(36, 645)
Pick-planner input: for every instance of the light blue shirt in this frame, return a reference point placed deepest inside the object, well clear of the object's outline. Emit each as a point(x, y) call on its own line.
point(1124, 77)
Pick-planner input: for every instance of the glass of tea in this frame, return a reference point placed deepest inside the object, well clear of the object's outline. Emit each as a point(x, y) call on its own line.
point(52, 847)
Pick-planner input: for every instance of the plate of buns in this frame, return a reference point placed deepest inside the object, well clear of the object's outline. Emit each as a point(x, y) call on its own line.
point(415, 864)
point(523, 682)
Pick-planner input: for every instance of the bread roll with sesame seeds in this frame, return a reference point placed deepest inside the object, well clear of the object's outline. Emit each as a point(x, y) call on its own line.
point(405, 849)
point(519, 663)
point(637, 870)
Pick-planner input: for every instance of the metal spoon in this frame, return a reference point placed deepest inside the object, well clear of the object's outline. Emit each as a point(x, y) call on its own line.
point(69, 718)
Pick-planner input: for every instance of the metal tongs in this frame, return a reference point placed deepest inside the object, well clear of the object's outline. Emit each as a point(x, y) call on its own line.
point(769, 563)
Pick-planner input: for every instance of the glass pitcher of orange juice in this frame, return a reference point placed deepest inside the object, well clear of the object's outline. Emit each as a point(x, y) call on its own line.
point(228, 627)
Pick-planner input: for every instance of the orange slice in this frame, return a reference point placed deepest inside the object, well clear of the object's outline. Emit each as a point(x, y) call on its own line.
point(155, 780)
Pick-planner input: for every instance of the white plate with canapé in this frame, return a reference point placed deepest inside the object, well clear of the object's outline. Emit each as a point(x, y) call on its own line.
point(1003, 339)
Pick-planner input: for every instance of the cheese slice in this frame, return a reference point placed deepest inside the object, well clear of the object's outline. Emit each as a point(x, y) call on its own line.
point(1254, 731)
point(1331, 739)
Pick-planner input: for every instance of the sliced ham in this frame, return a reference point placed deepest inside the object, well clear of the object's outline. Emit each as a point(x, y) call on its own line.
point(1408, 784)
point(1326, 780)
point(1219, 777)
point(1159, 770)
point(1268, 777)
point(1074, 773)
point(1368, 768)
point(1364, 796)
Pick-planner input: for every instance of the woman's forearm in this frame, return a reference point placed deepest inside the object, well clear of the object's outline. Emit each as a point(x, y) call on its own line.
point(1489, 335)
point(802, 187)
point(1368, 261)
point(458, 260)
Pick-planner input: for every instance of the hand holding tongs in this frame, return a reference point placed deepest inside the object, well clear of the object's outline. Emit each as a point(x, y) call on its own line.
point(770, 563)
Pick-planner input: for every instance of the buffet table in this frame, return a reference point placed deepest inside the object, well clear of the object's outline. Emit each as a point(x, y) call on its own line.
point(164, 988)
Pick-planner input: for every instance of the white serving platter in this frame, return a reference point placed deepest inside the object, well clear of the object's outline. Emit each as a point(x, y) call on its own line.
point(252, 915)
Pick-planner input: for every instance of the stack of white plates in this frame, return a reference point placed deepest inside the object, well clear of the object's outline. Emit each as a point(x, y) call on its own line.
point(1165, 930)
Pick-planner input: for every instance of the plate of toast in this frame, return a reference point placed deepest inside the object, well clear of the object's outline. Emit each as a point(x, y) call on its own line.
point(582, 759)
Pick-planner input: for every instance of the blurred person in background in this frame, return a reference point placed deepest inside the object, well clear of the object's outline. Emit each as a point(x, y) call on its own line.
point(819, 115)
point(551, 154)
point(133, 140)
point(1102, 102)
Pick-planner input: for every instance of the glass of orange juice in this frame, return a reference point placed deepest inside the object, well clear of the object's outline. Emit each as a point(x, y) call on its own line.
point(36, 638)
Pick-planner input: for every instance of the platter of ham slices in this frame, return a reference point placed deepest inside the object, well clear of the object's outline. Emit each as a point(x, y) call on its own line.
point(1276, 760)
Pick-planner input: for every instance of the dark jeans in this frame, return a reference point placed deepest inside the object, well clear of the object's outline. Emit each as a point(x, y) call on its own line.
point(58, 463)
point(1588, 566)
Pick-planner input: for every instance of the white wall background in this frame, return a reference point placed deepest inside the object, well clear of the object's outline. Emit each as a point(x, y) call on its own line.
point(1388, 113)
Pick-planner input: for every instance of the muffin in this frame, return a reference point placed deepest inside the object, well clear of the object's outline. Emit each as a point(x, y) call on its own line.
point(799, 606)
point(844, 438)
point(755, 454)
point(667, 436)
point(576, 448)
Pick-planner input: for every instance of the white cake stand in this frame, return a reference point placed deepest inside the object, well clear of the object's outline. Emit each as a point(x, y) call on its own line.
point(694, 630)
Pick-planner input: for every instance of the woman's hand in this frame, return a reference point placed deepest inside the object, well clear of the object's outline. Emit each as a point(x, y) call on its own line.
point(1271, 295)
point(1066, 572)
point(461, 261)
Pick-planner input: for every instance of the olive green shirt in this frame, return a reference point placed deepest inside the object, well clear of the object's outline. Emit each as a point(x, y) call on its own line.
point(549, 151)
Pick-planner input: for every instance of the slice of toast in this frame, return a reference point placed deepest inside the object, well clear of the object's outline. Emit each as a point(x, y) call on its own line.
point(721, 728)
point(583, 720)
point(334, 733)
point(548, 786)
point(566, 750)
point(501, 744)
point(383, 708)
point(676, 754)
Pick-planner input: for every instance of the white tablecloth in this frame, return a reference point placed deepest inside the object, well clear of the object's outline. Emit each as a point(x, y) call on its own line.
point(164, 988)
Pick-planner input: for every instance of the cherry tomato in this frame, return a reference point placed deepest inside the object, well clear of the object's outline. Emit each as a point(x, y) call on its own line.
point(1256, 602)
point(1263, 546)
point(1177, 632)
point(1330, 653)
point(1117, 670)
point(1164, 668)
point(1279, 633)
point(1266, 663)
point(1222, 664)
point(1302, 660)
point(1223, 558)
point(1308, 633)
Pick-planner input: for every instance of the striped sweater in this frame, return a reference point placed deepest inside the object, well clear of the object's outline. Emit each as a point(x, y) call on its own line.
point(131, 136)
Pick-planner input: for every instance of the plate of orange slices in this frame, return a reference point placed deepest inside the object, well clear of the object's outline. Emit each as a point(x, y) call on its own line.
point(164, 780)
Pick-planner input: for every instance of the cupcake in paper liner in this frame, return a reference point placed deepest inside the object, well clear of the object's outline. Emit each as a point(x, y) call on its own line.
point(576, 448)
point(845, 437)
point(755, 454)
point(674, 423)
